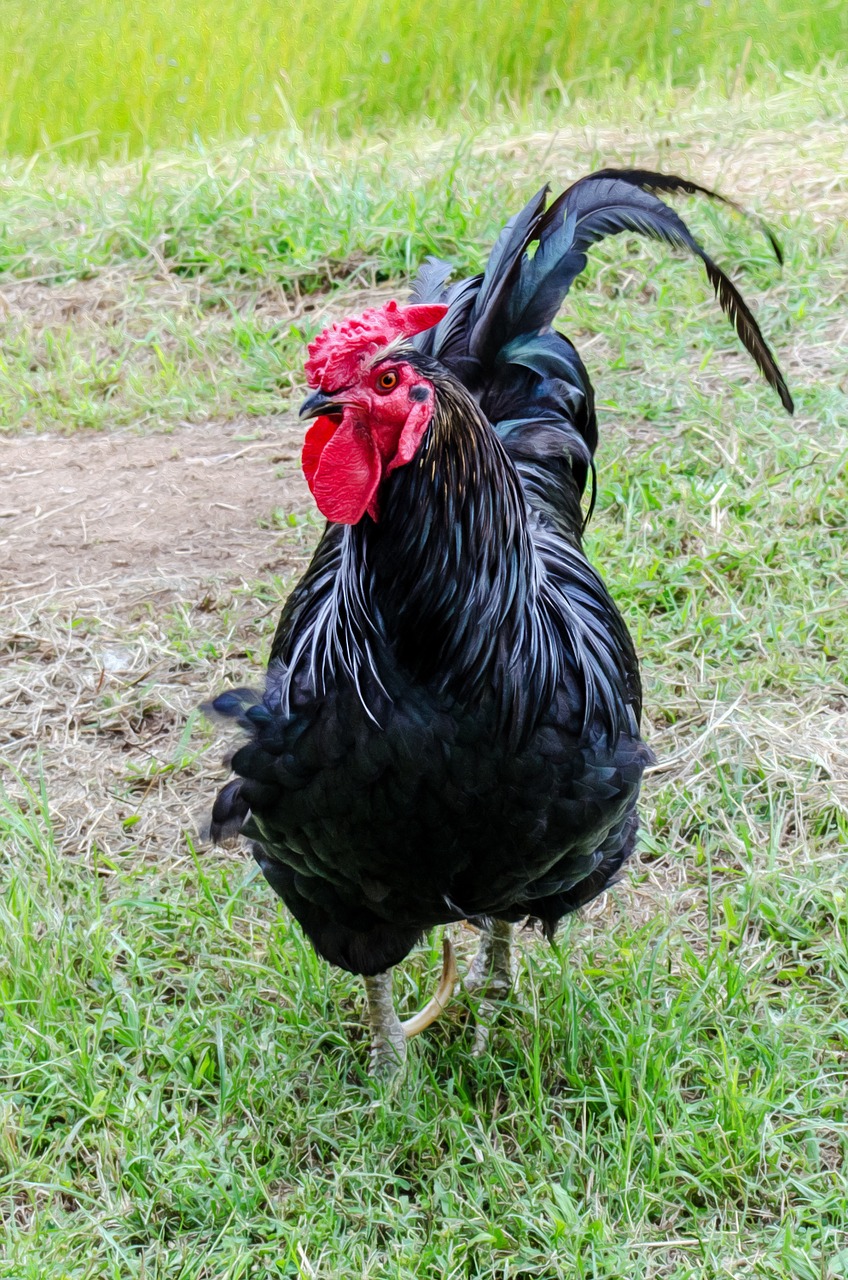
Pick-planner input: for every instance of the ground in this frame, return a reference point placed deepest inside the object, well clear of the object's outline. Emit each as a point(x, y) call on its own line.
point(186, 1093)
point(130, 506)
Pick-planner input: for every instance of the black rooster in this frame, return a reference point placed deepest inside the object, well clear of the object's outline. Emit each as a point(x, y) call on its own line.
point(450, 723)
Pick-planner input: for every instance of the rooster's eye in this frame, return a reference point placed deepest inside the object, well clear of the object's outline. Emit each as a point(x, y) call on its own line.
point(387, 381)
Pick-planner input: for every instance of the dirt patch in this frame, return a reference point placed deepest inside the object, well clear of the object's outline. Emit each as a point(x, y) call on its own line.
point(100, 511)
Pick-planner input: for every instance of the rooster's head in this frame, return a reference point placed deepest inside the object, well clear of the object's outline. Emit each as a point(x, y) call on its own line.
point(371, 404)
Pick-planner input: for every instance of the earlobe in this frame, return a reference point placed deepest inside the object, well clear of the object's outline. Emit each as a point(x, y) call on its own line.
point(417, 422)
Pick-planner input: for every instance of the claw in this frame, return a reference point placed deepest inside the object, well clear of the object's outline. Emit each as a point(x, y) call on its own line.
point(435, 1007)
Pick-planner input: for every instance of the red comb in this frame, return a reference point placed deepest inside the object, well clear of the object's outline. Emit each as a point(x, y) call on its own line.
point(335, 355)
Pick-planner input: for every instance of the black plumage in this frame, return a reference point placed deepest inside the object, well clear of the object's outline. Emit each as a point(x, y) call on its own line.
point(450, 723)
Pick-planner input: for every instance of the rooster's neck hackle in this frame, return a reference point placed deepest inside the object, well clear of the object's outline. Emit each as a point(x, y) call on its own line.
point(460, 588)
point(451, 565)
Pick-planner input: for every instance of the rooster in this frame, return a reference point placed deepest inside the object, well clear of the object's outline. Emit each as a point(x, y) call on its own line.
point(449, 728)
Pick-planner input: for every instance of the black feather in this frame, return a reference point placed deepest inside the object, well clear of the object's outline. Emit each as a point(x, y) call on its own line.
point(519, 295)
point(608, 206)
point(448, 340)
point(429, 284)
point(501, 271)
point(235, 704)
point(672, 183)
point(229, 812)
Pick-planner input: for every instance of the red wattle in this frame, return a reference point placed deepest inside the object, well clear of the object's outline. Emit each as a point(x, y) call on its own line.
point(342, 468)
point(316, 437)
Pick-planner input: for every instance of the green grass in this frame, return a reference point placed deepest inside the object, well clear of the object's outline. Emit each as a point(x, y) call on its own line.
point(666, 1095)
point(180, 287)
point(101, 77)
point(183, 1100)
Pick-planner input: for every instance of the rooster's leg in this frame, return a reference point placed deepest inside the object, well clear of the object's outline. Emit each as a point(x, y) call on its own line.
point(388, 1038)
point(491, 969)
point(490, 977)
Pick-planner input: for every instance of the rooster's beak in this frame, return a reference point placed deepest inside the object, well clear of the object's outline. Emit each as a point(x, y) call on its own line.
point(319, 403)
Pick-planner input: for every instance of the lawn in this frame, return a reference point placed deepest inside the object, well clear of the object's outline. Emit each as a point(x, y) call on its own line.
point(91, 78)
point(185, 1090)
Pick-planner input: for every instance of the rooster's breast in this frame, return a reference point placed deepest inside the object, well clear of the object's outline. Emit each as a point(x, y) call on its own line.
point(415, 812)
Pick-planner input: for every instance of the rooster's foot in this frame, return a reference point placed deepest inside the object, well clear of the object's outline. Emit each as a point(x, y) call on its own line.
point(388, 1038)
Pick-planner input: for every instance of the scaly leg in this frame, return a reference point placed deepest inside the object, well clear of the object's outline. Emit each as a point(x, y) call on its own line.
point(491, 969)
point(490, 977)
point(388, 1038)
point(388, 1034)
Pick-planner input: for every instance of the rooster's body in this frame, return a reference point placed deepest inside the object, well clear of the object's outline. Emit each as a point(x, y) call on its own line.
point(450, 724)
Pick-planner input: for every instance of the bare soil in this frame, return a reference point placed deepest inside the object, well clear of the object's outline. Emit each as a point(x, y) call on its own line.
point(126, 571)
point(172, 509)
